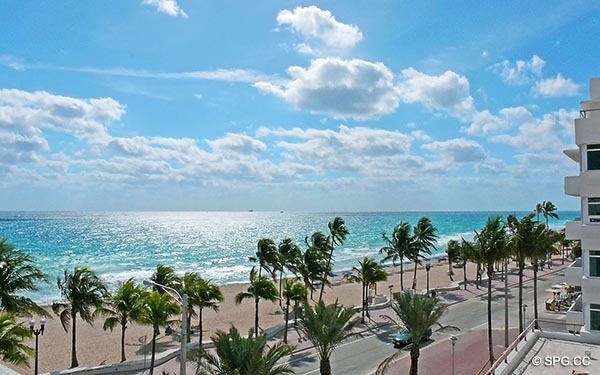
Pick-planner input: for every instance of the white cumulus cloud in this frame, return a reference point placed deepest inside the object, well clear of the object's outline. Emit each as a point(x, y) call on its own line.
point(320, 26)
point(342, 89)
point(555, 87)
point(521, 72)
point(168, 7)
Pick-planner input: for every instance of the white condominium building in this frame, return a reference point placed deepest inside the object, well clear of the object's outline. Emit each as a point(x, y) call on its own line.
point(585, 272)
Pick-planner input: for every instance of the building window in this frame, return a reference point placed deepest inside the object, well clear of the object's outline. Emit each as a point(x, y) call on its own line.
point(594, 317)
point(594, 263)
point(593, 157)
point(594, 210)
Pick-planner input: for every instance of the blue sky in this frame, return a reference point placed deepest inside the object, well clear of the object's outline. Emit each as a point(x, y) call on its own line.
point(333, 105)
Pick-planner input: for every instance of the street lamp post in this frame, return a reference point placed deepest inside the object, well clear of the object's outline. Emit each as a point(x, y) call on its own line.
point(183, 300)
point(428, 268)
point(524, 316)
point(453, 340)
point(37, 332)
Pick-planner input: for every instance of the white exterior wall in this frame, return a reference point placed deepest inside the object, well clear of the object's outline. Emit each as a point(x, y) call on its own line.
point(586, 184)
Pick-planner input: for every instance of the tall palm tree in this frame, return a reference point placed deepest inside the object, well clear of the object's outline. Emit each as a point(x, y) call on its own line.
point(368, 272)
point(418, 313)
point(544, 240)
point(293, 291)
point(83, 291)
point(539, 207)
point(205, 294)
point(522, 240)
point(122, 307)
point(465, 257)
point(187, 286)
point(453, 252)
point(266, 256)
point(399, 247)
point(337, 235)
point(492, 244)
point(289, 256)
point(239, 355)
point(316, 258)
point(18, 274)
point(260, 288)
point(549, 211)
point(326, 326)
point(12, 340)
point(157, 310)
point(425, 237)
point(165, 275)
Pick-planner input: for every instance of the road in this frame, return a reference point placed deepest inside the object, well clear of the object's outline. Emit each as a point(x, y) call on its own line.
point(363, 355)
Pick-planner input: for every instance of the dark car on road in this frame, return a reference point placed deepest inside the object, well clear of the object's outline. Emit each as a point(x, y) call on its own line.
point(402, 338)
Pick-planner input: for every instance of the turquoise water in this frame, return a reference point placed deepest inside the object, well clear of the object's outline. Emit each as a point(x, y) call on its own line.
point(217, 244)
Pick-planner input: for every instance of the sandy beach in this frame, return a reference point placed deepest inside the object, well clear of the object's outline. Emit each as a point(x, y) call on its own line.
point(96, 346)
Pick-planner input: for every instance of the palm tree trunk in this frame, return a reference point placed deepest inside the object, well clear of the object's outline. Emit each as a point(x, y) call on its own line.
point(402, 273)
point(414, 359)
point(450, 269)
point(325, 276)
point(489, 314)
point(521, 297)
point(200, 328)
point(74, 362)
point(123, 328)
point(506, 302)
point(189, 326)
point(287, 317)
point(296, 307)
point(478, 278)
point(256, 300)
point(325, 366)
point(535, 299)
point(465, 273)
point(153, 350)
point(363, 303)
point(414, 283)
point(280, 285)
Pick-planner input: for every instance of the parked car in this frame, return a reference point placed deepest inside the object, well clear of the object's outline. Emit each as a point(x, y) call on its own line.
point(402, 338)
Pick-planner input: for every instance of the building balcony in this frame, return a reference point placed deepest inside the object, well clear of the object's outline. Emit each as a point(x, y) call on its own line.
point(574, 316)
point(590, 289)
point(574, 272)
point(573, 229)
point(574, 154)
point(587, 130)
point(572, 186)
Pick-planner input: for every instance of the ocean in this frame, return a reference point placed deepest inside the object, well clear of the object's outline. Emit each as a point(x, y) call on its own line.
point(120, 245)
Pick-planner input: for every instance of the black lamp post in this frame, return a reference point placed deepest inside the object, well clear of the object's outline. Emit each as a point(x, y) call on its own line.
point(428, 268)
point(37, 332)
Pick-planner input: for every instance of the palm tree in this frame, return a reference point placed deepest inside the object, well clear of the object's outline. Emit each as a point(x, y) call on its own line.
point(187, 285)
point(369, 271)
point(289, 255)
point(292, 291)
point(165, 275)
point(157, 310)
point(425, 238)
point(260, 288)
point(83, 290)
point(418, 313)
point(549, 211)
point(12, 337)
point(522, 240)
point(464, 256)
point(266, 256)
point(316, 258)
point(205, 294)
point(123, 306)
point(454, 252)
point(337, 235)
point(399, 247)
point(239, 355)
point(326, 326)
point(544, 240)
point(492, 244)
point(18, 274)
point(539, 208)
